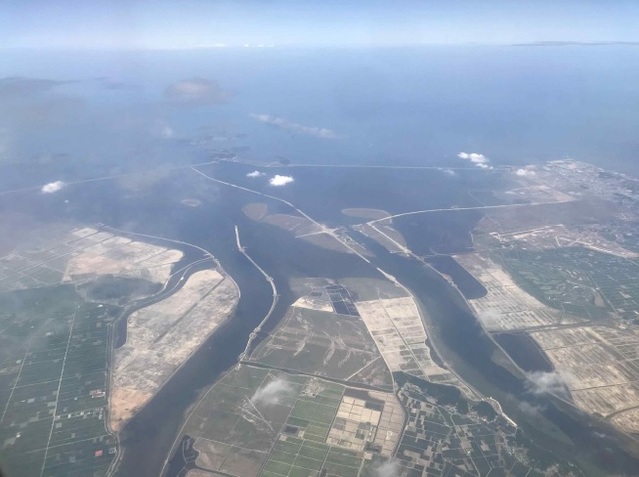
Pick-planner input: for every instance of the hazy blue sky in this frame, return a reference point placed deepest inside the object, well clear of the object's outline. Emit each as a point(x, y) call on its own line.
point(193, 23)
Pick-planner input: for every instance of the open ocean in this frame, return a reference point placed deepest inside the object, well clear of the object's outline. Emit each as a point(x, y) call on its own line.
point(516, 105)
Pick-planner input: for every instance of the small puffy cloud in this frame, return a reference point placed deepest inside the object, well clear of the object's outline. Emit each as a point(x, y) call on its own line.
point(162, 130)
point(278, 180)
point(52, 187)
point(555, 382)
point(529, 409)
point(479, 160)
point(281, 123)
point(490, 318)
point(272, 392)
point(473, 157)
point(194, 92)
point(390, 468)
point(524, 172)
point(448, 172)
point(255, 174)
point(167, 132)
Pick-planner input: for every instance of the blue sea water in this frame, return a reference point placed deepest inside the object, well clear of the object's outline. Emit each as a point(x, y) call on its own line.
point(516, 105)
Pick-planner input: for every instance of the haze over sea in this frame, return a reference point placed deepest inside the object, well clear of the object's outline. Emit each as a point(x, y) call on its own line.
point(515, 104)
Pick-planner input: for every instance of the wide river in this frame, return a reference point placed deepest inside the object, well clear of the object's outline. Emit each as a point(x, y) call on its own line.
point(454, 331)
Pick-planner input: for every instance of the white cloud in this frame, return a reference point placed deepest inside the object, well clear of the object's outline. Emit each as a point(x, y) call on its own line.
point(473, 157)
point(490, 318)
point(259, 45)
point(278, 180)
point(282, 123)
point(167, 132)
point(52, 187)
point(479, 160)
point(528, 409)
point(255, 174)
point(389, 468)
point(524, 172)
point(272, 392)
point(554, 382)
point(448, 172)
point(162, 130)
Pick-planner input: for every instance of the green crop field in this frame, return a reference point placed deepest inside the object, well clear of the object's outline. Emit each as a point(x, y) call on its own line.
point(54, 383)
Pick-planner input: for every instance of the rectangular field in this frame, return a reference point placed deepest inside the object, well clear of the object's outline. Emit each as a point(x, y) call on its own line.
point(325, 344)
point(52, 414)
point(257, 421)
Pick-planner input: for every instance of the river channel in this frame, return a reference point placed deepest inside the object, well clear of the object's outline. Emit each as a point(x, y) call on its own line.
point(453, 330)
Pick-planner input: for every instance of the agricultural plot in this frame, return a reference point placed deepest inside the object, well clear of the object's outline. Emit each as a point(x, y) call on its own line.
point(257, 421)
point(325, 344)
point(367, 420)
point(561, 275)
point(54, 338)
point(67, 256)
point(578, 280)
point(506, 307)
point(332, 431)
point(239, 419)
point(296, 457)
point(53, 387)
point(460, 438)
point(597, 365)
point(399, 334)
point(600, 367)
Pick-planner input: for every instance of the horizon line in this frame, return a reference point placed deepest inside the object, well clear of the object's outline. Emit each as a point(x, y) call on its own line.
point(219, 46)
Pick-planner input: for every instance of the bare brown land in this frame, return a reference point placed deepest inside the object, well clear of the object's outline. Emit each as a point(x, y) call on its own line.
point(162, 336)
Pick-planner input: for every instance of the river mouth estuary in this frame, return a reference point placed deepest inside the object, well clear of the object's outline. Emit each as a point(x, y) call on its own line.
point(301, 273)
point(274, 226)
point(457, 336)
